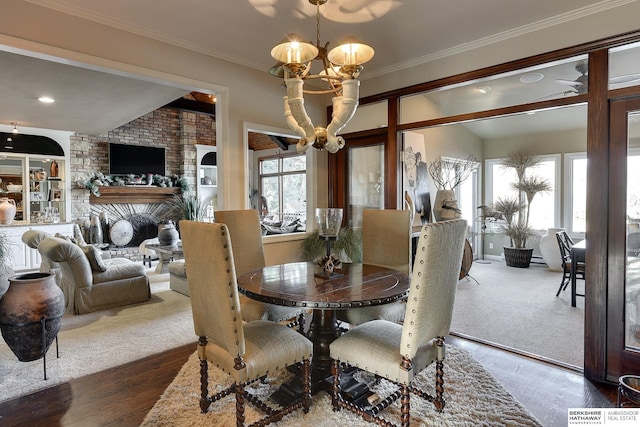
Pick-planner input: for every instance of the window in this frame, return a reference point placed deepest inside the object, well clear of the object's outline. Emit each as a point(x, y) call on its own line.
point(576, 186)
point(545, 209)
point(283, 191)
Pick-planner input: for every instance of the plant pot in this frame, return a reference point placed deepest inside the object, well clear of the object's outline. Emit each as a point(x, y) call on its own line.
point(32, 302)
point(518, 257)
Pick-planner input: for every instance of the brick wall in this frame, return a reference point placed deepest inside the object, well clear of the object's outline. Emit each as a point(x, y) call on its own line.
point(176, 131)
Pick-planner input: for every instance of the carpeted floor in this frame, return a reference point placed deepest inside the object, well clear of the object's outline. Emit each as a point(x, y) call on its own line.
point(96, 341)
point(473, 398)
point(518, 307)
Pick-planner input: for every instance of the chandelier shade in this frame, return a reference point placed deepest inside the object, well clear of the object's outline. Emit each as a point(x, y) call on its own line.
point(293, 49)
point(351, 52)
point(339, 69)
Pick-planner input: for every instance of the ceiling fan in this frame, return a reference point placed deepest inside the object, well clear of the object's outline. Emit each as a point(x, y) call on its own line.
point(579, 86)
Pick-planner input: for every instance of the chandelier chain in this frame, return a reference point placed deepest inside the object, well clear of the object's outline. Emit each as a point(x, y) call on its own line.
point(318, 24)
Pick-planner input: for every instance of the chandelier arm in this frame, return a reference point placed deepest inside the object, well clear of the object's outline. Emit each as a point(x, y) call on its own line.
point(295, 101)
point(344, 107)
point(291, 121)
point(321, 92)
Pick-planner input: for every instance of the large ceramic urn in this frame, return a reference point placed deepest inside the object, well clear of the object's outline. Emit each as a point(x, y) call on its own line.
point(167, 233)
point(7, 210)
point(31, 314)
point(445, 206)
point(550, 250)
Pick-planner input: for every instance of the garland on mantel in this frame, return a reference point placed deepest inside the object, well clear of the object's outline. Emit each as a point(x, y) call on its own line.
point(98, 179)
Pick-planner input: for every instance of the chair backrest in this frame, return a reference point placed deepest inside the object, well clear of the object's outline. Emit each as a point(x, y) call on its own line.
point(208, 258)
point(564, 243)
point(386, 238)
point(244, 228)
point(433, 284)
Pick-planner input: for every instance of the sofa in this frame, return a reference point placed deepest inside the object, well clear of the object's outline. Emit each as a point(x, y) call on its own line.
point(90, 283)
point(32, 238)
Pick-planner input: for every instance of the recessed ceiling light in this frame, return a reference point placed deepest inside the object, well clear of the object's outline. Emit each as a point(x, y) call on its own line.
point(484, 89)
point(531, 77)
point(46, 99)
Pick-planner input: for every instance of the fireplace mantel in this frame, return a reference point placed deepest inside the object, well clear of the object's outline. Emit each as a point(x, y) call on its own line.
point(134, 194)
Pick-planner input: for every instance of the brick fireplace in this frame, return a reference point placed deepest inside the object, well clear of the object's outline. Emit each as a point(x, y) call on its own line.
point(142, 206)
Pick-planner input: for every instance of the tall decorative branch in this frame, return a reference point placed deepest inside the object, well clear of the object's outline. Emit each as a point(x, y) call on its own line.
point(447, 174)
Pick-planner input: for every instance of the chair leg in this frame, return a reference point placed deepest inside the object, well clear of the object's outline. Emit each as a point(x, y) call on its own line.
point(405, 406)
point(563, 284)
point(204, 386)
point(306, 386)
point(301, 323)
point(336, 371)
point(439, 399)
point(239, 405)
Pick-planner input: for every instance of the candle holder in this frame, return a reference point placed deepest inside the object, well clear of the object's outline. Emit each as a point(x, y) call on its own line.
point(329, 221)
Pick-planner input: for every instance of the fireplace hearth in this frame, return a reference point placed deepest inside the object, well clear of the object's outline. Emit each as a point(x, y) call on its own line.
point(143, 217)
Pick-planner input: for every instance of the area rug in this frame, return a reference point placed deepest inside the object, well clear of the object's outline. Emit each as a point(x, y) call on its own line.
point(93, 342)
point(473, 398)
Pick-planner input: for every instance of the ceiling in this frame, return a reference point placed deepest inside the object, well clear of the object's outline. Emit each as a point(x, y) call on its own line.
point(94, 102)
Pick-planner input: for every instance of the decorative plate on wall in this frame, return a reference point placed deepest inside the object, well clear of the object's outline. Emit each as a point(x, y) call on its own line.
point(121, 232)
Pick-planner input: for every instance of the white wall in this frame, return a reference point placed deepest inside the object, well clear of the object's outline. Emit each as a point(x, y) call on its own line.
point(608, 18)
point(244, 94)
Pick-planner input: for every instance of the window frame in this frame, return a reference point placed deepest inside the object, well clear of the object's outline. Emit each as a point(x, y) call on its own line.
point(280, 174)
point(250, 177)
point(557, 188)
point(567, 222)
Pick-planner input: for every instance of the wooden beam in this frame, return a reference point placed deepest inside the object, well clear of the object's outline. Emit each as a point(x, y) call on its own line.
point(193, 106)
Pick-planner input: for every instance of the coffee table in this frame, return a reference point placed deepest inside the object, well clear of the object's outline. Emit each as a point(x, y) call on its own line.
point(166, 253)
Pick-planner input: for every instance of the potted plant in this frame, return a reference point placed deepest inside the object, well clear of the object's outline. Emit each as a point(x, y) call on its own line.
point(349, 243)
point(447, 175)
point(189, 206)
point(515, 211)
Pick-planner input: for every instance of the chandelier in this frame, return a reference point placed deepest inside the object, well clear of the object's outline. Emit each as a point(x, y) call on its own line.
point(340, 68)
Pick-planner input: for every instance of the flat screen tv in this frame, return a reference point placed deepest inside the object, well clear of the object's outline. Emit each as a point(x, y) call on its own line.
point(136, 159)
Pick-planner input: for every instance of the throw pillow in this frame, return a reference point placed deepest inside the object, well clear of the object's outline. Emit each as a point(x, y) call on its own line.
point(69, 238)
point(77, 234)
point(95, 258)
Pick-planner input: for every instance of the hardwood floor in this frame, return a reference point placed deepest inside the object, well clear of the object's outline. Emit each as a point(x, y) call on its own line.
point(123, 395)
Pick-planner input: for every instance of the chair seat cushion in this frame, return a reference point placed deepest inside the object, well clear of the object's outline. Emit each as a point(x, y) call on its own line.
point(269, 346)
point(374, 346)
point(118, 268)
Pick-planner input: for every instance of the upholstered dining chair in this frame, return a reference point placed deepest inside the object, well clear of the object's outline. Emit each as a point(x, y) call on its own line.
point(386, 241)
point(244, 229)
point(564, 243)
point(400, 352)
point(247, 351)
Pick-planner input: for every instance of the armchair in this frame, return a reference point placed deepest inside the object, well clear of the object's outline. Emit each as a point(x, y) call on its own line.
point(247, 351)
point(386, 241)
point(400, 352)
point(85, 287)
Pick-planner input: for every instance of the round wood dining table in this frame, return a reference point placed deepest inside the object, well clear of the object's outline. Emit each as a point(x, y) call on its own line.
point(298, 285)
